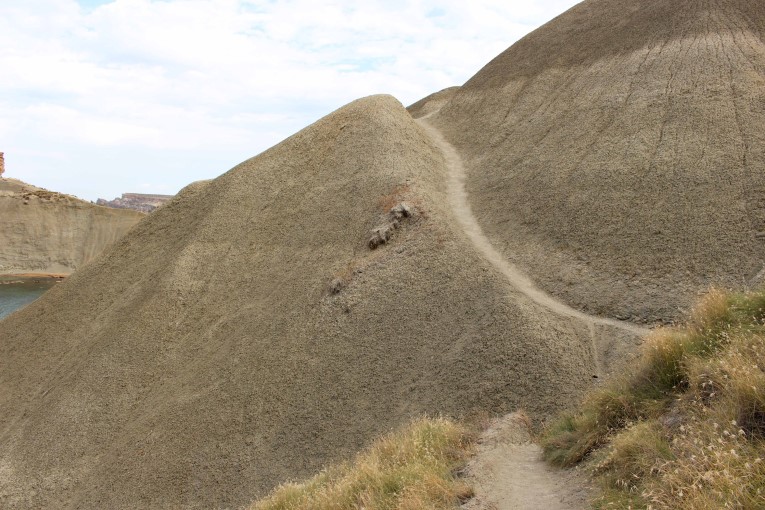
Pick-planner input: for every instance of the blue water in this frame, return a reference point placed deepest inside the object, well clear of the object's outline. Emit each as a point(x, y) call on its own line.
point(17, 295)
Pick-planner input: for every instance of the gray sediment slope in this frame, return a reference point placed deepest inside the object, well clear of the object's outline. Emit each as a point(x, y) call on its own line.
point(616, 154)
point(245, 333)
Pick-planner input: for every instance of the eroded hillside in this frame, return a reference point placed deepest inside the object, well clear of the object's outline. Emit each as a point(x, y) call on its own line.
point(286, 313)
point(224, 346)
point(616, 152)
point(44, 232)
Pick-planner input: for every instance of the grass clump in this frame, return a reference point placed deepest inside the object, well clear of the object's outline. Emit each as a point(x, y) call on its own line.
point(413, 468)
point(685, 427)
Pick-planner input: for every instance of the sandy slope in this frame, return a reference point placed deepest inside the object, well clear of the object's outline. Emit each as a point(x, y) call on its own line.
point(245, 333)
point(429, 105)
point(616, 154)
point(461, 207)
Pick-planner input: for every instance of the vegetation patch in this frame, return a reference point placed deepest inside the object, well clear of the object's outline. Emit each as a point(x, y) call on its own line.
point(685, 428)
point(414, 468)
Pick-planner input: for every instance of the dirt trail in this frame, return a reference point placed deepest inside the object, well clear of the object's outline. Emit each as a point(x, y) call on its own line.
point(508, 473)
point(461, 207)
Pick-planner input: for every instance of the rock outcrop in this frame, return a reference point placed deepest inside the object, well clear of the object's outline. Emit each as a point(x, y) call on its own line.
point(136, 201)
point(43, 232)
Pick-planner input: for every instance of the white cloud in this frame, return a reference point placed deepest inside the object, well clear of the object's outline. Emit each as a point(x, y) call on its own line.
point(212, 80)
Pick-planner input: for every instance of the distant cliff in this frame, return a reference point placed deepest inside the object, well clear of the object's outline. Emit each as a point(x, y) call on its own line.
point(53, 233)
point(136, 201)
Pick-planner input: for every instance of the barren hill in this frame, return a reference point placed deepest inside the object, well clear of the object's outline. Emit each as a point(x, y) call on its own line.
point(616, 153)
point(44, 232)
point(226, 345)
point(282, 315)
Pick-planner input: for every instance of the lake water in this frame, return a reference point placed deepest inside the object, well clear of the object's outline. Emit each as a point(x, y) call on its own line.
point(17, 295)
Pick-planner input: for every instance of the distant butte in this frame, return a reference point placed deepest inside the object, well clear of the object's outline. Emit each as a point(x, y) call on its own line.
point(136, 201)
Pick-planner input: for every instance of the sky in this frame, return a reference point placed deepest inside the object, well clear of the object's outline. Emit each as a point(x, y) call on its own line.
point(104, 97)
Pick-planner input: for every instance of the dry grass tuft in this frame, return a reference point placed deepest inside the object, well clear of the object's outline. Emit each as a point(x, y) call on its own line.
point(407, 470)
point(634, 454)
point(685, 429)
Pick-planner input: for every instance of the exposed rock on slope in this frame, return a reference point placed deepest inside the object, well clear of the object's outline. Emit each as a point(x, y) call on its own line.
point(50, 233)
point(245, 333)
point(617, 153)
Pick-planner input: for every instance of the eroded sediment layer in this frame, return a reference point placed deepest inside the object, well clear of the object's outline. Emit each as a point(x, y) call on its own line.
point(48, 233)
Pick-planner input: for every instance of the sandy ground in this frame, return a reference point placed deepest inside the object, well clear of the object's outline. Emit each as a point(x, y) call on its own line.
point(508, 473)
point(246, 333)
point(31, 278)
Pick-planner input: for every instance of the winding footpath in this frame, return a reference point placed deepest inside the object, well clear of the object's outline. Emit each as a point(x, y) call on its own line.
point(461, 207)
point(508, 471)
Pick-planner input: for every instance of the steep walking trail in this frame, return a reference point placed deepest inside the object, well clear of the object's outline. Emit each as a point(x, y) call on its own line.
point(461, 207)
point(508, 473)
